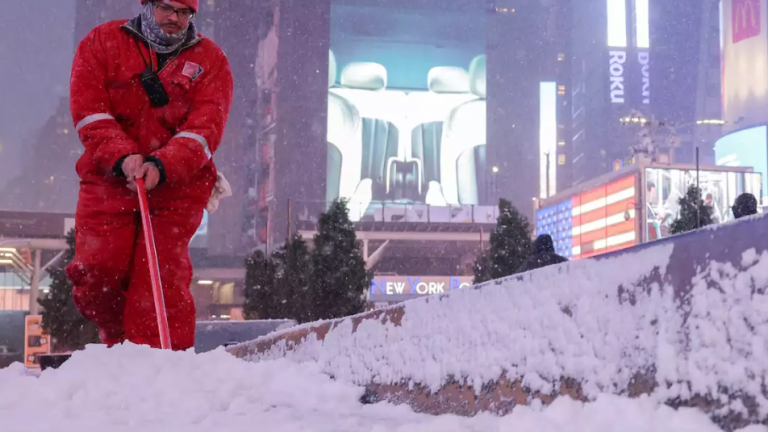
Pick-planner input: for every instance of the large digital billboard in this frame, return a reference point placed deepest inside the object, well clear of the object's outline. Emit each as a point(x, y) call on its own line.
point(719, 189)
point(744, 62)
point(406, 104)
point(745, 148)
point(596, 221)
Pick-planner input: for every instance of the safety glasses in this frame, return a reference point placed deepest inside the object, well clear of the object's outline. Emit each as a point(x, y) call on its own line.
point(165, 11)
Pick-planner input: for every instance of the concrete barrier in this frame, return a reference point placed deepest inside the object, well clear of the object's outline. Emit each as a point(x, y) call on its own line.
point(683, 320)
point(210, 335)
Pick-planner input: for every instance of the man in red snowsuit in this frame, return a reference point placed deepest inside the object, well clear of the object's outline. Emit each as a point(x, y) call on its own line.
point(150, 99)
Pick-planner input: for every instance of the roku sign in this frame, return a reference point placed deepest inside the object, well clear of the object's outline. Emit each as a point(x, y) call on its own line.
point(617, 61)
point(417, 285)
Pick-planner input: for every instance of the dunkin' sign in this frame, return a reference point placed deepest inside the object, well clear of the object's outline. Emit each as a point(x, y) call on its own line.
point(745, 16)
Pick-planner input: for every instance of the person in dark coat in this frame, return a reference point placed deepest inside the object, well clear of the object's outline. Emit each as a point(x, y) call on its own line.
point(543, 255)
point(745, 205)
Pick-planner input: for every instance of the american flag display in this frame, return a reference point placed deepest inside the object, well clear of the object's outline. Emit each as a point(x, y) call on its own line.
point(598, 221)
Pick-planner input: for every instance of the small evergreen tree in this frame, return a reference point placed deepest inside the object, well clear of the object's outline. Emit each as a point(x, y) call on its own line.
point(339, 277)
point(69, 330)
point(482, 268)
point(293, 266)
point(510, 245)
point(276, 287)
point(693, 212)
point(260, 301)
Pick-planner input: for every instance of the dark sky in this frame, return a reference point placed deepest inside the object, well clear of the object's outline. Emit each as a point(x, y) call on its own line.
point(36, 49)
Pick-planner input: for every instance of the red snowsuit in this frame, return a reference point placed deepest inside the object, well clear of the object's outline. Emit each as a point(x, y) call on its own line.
point(114, 118)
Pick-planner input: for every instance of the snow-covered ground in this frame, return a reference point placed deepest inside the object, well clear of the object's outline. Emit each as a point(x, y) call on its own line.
point(693, 310)
point(131, 388)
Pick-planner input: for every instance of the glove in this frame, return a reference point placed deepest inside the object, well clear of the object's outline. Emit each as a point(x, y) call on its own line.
point(221, 189)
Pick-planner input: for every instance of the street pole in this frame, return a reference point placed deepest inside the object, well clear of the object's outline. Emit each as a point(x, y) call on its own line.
point(672, 154)
point(547, 183)
point(698, 191)
point(288, 238)
point(34, 291)
point(488, 191)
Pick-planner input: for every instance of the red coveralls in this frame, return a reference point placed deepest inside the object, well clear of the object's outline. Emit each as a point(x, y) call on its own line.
point(113, 118)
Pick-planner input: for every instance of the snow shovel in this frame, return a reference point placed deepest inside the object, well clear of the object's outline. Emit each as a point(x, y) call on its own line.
point(154, 267)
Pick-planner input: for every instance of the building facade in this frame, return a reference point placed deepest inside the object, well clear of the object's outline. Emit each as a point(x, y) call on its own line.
point(647, 60)
point(611, 77)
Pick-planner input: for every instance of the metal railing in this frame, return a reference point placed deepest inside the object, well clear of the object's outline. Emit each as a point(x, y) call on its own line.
point(393, 213)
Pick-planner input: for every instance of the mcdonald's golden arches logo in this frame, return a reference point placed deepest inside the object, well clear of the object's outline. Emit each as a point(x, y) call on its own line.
point(745, 19)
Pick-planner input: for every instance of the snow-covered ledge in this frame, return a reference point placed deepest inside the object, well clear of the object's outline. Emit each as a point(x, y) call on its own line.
point(684, 321)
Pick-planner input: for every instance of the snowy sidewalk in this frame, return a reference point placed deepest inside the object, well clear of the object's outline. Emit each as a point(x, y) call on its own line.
point(133, 388)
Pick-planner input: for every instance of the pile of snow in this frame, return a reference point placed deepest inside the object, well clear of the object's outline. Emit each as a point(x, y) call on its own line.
point(598, 322)
point(725, 339)
point(132, 388)
point(517, 325)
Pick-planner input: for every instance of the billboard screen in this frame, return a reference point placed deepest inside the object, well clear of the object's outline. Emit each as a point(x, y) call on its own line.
point(745, 148)
point(547, 139)
point(744, 62)
point(597, 221)
point(664, 187)
point(406, 104)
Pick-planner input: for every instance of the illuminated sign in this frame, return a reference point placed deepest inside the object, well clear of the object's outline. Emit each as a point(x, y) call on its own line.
point(745, 148)
point(617, 60)
point(597, 221)
point(644, 59)
point(37, 343)
point(547, 139)
point(745, 19)
point(617, 42)
point(642, 25)
point(416, 285)
point(617, 23)
point(743, 56)
point(722, 25)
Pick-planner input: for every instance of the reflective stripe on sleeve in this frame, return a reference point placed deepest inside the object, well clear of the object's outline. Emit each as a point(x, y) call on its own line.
point(92, 118)
point(199, 138)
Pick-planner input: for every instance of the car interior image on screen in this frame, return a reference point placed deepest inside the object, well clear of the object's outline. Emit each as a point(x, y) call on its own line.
point(406, 106)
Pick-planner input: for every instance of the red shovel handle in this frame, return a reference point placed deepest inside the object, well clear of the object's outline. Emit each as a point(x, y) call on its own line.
point(154, 267)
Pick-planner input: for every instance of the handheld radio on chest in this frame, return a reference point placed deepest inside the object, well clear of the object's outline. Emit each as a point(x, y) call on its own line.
point(151, 83)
